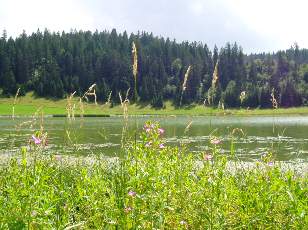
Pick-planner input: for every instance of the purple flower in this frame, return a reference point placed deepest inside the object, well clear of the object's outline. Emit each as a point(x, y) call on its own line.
point(132, 193)
point(36, 140)
point(215, 141)
point(161, 146)
point(207, 157)
point(270, 164)
point(161, 131)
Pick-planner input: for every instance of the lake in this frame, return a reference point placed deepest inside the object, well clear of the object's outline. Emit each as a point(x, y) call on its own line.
point(285, 136)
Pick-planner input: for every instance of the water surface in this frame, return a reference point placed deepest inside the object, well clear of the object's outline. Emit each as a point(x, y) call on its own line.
point(286, 137)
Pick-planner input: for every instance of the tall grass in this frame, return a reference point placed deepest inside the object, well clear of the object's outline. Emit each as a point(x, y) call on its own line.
point(169, 188)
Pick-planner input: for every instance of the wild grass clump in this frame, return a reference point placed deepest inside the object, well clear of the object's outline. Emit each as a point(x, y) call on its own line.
point(153, 186)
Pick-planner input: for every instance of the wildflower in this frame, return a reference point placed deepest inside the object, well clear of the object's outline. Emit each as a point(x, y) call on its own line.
point(148, 144)
point(161, 146)
point(148, 128)
point(183, 222)
point(270, 164)
point(34, 213)
point(58, 157)
point(215, 141)
point(207, 157)
point(36, 140)
point(132, 193)
point(128, 209)
point(161, 131)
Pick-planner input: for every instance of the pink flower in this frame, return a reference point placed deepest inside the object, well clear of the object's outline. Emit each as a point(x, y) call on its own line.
point(161, 146)
point(128, 209)
point(132, 193)
point(58, 157)
point(215, 141)
point(147, 130)
point(161, 131)
point(36, 140)
point(207, 157)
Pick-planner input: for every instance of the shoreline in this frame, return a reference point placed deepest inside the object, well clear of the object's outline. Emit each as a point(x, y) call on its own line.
point(157, 115)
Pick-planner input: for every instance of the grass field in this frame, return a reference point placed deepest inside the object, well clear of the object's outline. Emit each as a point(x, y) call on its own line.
point(29, 104)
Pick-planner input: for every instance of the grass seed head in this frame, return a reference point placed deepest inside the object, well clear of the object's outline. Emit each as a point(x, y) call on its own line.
point(135, 60)
point(215, 75)
point(186, 78)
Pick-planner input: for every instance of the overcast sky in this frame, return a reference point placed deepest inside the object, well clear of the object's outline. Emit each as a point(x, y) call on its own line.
point(256, 25)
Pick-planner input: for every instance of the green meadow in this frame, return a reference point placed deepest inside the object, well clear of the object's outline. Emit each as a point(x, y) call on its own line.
point(29, 104)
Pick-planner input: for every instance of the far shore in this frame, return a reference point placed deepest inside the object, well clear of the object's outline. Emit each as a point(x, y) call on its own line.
point(29, 105)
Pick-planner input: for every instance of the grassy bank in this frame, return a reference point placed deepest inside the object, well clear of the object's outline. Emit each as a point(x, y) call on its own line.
point(152, 187)
point(28, 104)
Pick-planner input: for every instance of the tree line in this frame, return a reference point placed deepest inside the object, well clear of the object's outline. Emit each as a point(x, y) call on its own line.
point(57, 64)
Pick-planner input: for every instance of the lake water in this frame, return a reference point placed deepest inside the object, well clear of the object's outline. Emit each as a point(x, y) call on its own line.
point(285, 136)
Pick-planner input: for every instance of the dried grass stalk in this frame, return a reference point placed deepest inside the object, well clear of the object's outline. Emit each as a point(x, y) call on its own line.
point(14, 103)
point(212, 91)
point(90, 92)
point(135, 60)
point(109, 98)
point(124, 104)
point(188, 126)
point(215, 75)
point(273, 99)
point(184, 86)
point(243, 96)
point(70, 106)
point(135, 68)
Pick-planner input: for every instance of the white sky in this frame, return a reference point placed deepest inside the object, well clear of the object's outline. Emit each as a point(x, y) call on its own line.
point(256, 25)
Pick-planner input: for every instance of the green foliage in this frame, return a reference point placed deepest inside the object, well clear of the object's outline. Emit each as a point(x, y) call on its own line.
point(230, 95)
point(157, 101)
